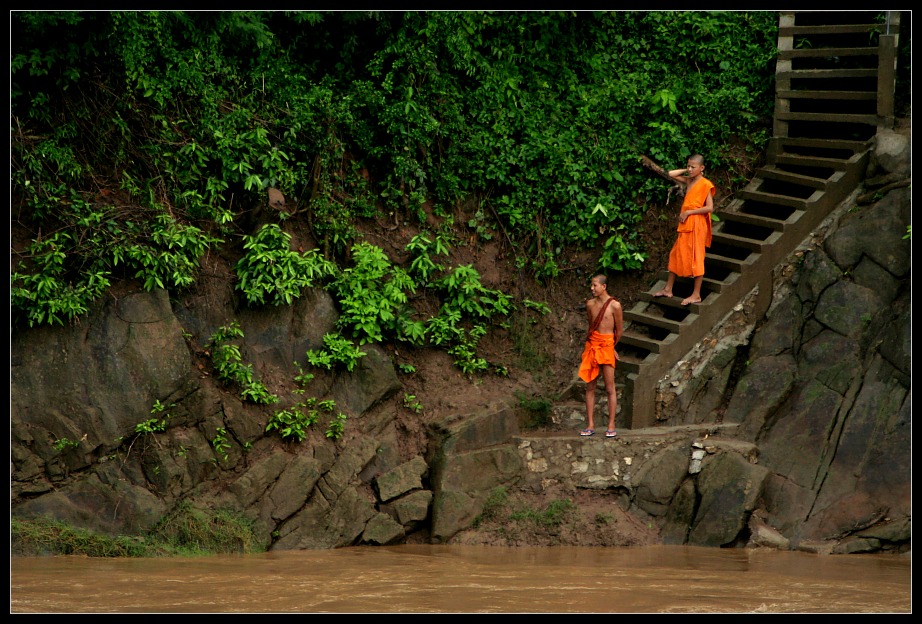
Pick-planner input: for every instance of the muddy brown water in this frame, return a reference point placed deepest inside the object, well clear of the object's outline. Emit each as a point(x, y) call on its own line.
point(469, 579)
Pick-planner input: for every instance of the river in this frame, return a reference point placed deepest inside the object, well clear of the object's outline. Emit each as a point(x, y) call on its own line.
point(469, 579)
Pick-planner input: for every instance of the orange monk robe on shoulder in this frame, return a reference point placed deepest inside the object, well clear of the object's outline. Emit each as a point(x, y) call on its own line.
point(599, 350)
point(687, 256)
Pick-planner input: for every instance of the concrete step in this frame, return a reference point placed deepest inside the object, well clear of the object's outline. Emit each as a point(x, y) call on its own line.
point(681, 289)
point(568, 417)
point(774, 198)
point(725, 262)
point(750, 244)
point(708, 285)
point(632, 360)
point(836, 164)
point(641, 314)
point(723, 433)
point(826, 29)
point(823, 74)
point(802, 53)
point(870, 120)
point(817, 94)
point(637, 339)
point(755, 220)
point(771, 172)
point(779, 144)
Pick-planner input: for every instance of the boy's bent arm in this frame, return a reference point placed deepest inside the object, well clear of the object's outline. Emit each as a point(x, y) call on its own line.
point(679, 175)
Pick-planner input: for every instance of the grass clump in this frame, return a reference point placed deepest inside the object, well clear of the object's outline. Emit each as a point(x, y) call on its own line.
point(501, 511)
point(42, 536)
point(194, 532)
point(493, 507)
point(553, 515)
point(184, 532)
point(537, 409)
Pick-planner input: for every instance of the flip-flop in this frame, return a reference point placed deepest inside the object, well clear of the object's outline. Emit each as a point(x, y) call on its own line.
point(611, 434)
point(586, 432)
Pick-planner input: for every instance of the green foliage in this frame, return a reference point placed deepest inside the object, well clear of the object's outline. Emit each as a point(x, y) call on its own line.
point(303, 378)
point(337, 350)
point(411, 403)
point(220, 442)
point(373, 296)
point(465, 300)
point(271, 272)
point(539, 306)
point(421, 249)
point(465, 351)
point(293, 423)
point(230, 368)
point(538, 116)
point(155, 425)
point(62, 444)
point(46, 296)
point(169, 257)
point(619, 254)
point(65, 272)
point(465, 294)
point(480, 225)
point(536, 119)
point(336, 426)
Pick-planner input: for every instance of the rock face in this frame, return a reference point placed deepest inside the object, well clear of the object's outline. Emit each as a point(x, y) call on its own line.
point(788, 431)
point(830, 372)
point(89, 386)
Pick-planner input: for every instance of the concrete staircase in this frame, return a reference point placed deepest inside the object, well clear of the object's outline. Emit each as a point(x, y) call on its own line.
point(834, 78)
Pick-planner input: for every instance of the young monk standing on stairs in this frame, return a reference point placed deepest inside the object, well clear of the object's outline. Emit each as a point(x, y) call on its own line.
point(687, 256)
point(606, 324)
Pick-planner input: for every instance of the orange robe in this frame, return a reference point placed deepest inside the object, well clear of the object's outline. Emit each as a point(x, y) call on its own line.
point(599, 350)
point(687, 256)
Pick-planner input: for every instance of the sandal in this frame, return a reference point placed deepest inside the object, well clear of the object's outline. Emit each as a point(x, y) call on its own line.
point(611, 433)
point(586, 432)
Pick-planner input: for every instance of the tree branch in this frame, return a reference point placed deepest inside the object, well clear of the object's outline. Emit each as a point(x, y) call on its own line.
point(649, 164)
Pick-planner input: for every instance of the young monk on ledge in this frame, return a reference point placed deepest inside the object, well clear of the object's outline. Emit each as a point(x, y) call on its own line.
point(687, 256)
point(606, 323)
